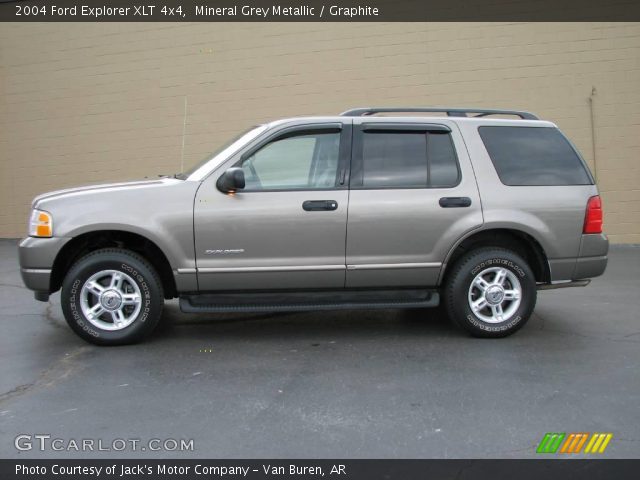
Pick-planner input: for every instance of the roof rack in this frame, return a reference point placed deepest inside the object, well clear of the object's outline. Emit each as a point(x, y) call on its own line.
point(451, 112)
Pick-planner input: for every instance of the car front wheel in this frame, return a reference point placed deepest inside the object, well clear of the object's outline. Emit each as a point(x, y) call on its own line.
point(112, 296)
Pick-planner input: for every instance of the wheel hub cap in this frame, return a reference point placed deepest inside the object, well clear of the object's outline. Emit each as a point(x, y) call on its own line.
point(494, 294)
point(111, 300)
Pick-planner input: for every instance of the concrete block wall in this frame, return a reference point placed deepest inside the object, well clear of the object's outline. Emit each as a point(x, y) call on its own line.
point(88, 103)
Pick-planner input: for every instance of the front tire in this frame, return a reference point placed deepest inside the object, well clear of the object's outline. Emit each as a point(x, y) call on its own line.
point(112, 296)
point(491, 292)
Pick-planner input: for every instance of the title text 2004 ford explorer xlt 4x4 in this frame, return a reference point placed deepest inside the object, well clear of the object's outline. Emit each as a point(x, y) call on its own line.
point(352, 211)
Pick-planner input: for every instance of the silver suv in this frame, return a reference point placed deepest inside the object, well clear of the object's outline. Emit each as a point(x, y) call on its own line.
point(474, 209)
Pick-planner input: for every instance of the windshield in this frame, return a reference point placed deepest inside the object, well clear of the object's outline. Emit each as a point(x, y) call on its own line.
point(224, 151)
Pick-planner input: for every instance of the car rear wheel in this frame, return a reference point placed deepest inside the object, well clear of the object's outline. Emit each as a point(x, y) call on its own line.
point(112, 297)
point(491, 292)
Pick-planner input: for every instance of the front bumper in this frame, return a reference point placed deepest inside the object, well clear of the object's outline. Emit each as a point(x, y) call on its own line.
point(37, 279)
point(37, 256)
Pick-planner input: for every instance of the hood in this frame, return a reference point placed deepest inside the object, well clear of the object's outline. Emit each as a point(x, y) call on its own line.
point(88, 189)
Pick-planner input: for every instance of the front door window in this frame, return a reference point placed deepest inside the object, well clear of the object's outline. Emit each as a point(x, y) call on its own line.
point(301, 161)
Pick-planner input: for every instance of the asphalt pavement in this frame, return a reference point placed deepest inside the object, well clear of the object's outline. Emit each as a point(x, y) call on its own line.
point(345, 384)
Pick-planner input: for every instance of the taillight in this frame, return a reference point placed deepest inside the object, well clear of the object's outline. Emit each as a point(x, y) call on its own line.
point(593, 217)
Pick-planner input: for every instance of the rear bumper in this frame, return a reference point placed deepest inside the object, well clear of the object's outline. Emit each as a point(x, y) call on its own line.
point(37, 256)
point(590, 262)
point(590, 267)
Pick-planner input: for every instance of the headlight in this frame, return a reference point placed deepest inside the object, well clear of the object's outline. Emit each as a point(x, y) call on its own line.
point(40, 224)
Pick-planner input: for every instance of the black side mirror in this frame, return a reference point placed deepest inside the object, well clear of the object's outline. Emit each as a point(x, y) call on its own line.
point(231, 180)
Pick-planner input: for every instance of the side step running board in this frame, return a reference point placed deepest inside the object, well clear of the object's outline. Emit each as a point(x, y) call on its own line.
point(311, 301)
point(568, 284)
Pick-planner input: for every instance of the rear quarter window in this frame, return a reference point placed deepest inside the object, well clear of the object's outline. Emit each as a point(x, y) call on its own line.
point(533, 156)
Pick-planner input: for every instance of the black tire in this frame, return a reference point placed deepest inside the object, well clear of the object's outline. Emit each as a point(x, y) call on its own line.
point(457, 291)
point(138, 270)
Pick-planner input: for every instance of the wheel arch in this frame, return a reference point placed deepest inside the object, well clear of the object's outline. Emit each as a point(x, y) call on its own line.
point(514, 239)
point(88, 242)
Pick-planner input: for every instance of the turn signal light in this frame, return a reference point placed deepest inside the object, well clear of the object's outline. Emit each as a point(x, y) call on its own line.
point(593, 216)
point(40, 224)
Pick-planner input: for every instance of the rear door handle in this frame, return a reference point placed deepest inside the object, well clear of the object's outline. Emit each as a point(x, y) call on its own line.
point(455, 202)
point(318, 205)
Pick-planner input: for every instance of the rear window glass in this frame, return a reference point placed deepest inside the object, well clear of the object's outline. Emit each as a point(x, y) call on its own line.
point(533, 156)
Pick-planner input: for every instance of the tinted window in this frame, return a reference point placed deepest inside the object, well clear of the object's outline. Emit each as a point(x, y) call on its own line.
point(307, 160)
point(443, 167)
point(408, 160)
point(533, 156)
point(394, 159)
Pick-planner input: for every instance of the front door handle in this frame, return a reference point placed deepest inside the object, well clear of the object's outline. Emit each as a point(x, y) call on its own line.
point(317, 205)
point(455, 202)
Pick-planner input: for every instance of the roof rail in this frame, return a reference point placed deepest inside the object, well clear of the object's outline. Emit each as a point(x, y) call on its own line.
point(451, 112)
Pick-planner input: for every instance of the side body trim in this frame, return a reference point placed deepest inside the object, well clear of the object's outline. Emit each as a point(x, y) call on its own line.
point(284, 268)
point(297, 268)
point(393, 266)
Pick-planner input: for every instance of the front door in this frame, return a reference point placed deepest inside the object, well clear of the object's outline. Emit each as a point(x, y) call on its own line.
point(287, 227)
point(413, 194)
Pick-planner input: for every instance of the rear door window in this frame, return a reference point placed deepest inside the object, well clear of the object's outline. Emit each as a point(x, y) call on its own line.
point(533, 156)
point(406, 159)
point(395, 160)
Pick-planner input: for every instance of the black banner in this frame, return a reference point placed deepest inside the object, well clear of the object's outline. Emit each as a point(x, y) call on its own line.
point(314, 469)
point(317, 10)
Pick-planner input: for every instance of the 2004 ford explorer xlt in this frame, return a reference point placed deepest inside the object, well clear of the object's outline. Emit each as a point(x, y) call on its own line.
point(360, 210)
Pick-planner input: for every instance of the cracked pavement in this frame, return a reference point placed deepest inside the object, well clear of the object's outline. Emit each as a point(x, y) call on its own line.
point(346, 384)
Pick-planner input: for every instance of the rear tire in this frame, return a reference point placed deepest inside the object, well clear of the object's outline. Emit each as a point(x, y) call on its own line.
point(112, 296)
point(491, 292)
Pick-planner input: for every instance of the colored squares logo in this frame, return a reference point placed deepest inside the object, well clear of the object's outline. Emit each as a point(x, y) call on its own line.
point(598, 443)
point(574, 442)
point(550, 442)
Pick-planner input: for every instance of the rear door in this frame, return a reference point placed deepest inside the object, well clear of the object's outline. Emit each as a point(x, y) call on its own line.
point(413, 194)
point(286, 229)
